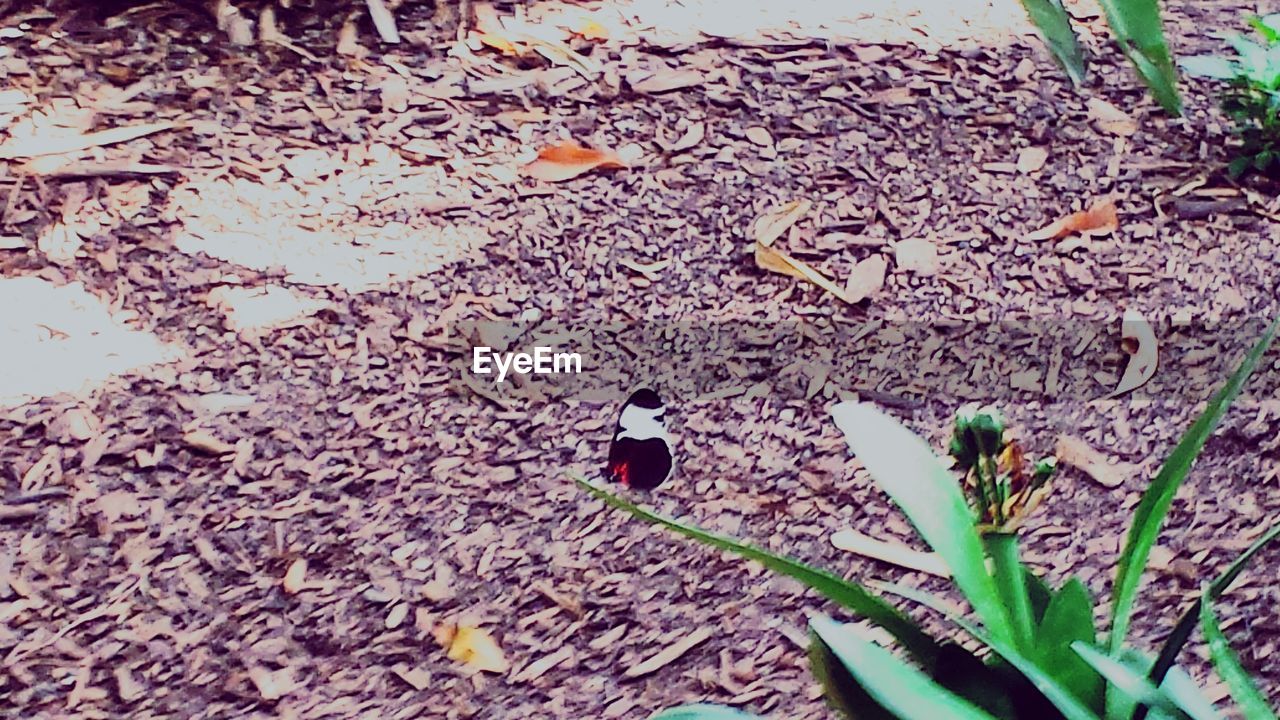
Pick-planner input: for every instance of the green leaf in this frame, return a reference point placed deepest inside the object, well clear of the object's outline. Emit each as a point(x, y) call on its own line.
point(842, 689)
point(1040, 595)
point(1137, 27)
point(1253, 706)
point(1134, 683)
point(1268, 26)
point(1186, 623)
point(1011, 582)
point(1214, 67)
point(1062, 697)
point(1051, 19)
point(703, 712)
point(845, 593)
point(1151, 510)
point(1237, 166)
point(902, 689)
point(1069, 619)
point(904, 467)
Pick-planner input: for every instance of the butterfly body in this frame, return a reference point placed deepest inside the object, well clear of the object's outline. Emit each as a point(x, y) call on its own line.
point(640, 452)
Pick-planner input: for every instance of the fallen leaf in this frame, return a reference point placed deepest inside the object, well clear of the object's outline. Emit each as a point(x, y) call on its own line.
point(866, 278)
point(1099, 219)
point(205, 441)
point(1079, 454)
point(692, 136)
point(649, 270)
point(1140, 342)
point(663, 80)
point(1111, 119)
point(35, 146)
point(295, 578)
point(477, 649)
point(768, 258)
point(1032, 159)
point(759, 136)
point(669, 654)
point(891, 552)
point(568, 160)
point(917, 255)
point(771, 225)
point(417, 678)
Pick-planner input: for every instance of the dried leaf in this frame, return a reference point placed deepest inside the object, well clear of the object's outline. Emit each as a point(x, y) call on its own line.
point(568, 160)
point(694, 135)
point(866, 279)
point(1144, 352)
point(205, 441)
point(1111, 119)
point(1032, 159)
point(1078, 453)
point(34, 147)
point(663, 80)
point(295, 578)
point(1099, 219)
point(917, 255)
point(669, 654)
point(771, 225)
point(768, 258)
point(272, 685)
point(477, 649)
point(649, 270)
point(417, 678)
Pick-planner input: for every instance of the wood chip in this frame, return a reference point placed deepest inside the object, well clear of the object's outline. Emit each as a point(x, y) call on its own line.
point(670, 654)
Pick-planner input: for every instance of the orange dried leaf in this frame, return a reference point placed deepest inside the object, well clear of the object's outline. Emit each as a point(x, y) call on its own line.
point(568, 160)
point(1099, 219)
point(777, 261)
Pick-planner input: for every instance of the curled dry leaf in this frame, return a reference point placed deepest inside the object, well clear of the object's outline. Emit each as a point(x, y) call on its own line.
point(568, 160)
point(1079, 454)
point(295, 578)
point(1139, 340)
point(474, 648)
point(759, 136)
point(768, 228)
point(1099, 219)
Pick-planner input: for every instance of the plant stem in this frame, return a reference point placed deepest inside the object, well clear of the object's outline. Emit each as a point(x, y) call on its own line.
point(1012, 584)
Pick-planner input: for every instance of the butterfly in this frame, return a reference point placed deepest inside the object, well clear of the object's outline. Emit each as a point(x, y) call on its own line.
point(640, 452)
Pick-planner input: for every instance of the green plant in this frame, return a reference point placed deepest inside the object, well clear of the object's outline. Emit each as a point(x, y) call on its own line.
point(1138, 30)
point(1252, 97)
point(1045, 658)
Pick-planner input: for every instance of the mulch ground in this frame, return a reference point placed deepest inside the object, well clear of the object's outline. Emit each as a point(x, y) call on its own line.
point(371, 200)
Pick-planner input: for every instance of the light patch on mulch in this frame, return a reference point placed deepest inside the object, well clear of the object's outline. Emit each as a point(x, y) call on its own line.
point(925, 23)
point(263, 308)
point(63, 339)
point(348, 223)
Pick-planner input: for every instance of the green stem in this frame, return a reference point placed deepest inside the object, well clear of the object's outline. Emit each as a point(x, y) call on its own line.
point(1012, 584)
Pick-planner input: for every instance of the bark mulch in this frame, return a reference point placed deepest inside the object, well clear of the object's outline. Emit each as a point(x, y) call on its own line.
point(274, 499)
